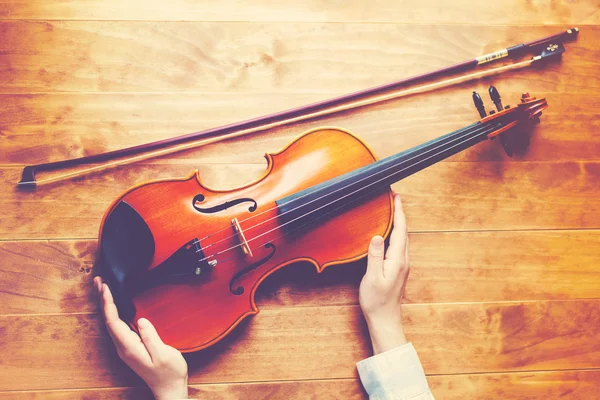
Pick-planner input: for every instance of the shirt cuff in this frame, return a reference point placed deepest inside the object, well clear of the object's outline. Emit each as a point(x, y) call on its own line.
point(395, 374)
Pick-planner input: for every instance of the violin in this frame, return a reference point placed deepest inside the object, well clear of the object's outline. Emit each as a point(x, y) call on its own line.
point(190, 258)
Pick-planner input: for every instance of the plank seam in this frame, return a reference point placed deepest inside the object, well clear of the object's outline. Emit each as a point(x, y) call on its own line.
point(536, 230)
point(315, 22)
point(296, 306)
point(200, 384)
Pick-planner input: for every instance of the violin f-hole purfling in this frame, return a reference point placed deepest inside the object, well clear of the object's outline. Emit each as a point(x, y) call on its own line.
point(190, 258)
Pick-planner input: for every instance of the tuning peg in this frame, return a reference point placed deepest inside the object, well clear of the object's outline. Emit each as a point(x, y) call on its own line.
point(495, 96)
point(479, 104)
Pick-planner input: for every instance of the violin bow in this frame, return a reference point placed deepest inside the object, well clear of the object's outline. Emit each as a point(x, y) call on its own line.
point(551, 45)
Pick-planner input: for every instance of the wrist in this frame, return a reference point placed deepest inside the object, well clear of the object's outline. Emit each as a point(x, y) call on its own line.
point(174, 391)
point(386, 334)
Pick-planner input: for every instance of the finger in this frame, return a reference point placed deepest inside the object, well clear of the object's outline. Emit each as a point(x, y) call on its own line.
point(122, 336)
point(406, 266)
point(398, 237)
point(406, 252)
point(109, 307)
point(98, 285)
point(375, 257)
point(150, 338)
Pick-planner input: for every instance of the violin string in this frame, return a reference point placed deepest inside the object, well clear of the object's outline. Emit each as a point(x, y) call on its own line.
point(310, 222)
point(473, 135)
point(459, 135)
point(474, 132)
point(456, 136)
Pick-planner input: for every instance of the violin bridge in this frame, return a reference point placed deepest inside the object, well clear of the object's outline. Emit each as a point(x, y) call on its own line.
point(238, 229)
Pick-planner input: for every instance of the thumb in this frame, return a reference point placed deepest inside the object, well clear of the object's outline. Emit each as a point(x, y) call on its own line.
point(150, 338)
point(375, 257)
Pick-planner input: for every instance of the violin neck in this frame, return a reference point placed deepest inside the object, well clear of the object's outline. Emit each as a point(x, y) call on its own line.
point(359, 185)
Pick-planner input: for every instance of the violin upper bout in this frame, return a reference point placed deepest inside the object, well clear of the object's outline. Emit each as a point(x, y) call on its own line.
point(321, 153)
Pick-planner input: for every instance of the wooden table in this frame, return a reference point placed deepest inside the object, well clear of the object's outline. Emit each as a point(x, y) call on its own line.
point(502, 302)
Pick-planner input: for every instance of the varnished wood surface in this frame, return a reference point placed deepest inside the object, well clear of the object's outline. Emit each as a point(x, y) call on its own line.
point(117, 56)
point(45, 127)
point(500, 196)
point(451, 338)
point(429, 11)
point(502, 299)
point(499, 266)
point(580, 385)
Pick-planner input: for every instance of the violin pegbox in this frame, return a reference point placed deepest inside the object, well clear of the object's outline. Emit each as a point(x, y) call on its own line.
point(507, 119)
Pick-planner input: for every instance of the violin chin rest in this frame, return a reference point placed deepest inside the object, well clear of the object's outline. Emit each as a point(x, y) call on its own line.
point(126, 249)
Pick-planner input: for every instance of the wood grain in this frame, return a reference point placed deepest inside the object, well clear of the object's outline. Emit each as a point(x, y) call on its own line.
point(525, 386)
point(504, 281)
point(457, 196)
point(50, 127)
point(46, 277)
point(572, 385)
point(429, 11)
point(267, 57)
point(451, 338)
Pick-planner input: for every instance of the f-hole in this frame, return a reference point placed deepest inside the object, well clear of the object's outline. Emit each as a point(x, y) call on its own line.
point(240, 290)
point(199, 198)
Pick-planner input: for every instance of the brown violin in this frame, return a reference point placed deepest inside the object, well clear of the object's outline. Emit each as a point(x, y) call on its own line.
point(190, 258)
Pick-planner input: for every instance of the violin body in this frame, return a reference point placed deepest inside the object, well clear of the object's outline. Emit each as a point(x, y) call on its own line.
point(189, 258)
point(158, 227)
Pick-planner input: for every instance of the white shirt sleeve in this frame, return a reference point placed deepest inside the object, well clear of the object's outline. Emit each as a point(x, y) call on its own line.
point(396, 374)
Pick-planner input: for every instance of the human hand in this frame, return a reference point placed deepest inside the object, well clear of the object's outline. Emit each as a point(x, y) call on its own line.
point(382, 287)
point(162, 367)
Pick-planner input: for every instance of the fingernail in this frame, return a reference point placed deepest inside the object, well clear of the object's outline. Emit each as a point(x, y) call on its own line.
point(143, 323)
point(377, 241)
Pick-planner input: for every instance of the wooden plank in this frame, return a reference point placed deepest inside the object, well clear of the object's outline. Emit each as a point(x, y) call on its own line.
point(571, 385)
point(213, 73)
point(445, 197)
point(40, 128)
point(428, 11)
point(269, 57)
point(42, 277)
point(450, 338)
